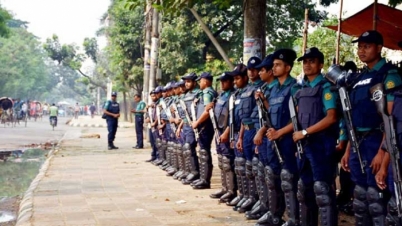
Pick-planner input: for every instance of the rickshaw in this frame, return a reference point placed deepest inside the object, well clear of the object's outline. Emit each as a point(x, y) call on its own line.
point(35, 109)
point(20, 113)
point(6, 111)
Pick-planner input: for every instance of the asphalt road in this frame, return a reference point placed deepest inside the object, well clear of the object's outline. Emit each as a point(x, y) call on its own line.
point(36, 132)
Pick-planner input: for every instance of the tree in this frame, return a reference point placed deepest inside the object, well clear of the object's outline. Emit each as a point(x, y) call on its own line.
point(4, 18)
point(69, 56)
point(23, 71)
point(325, 40)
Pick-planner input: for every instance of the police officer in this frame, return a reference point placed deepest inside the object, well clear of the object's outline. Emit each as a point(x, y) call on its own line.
point(206, 131)
point(156, 125)
point(180, 91)
point(368, 204)
point(263, 146)
point(139, 120)
point(112, 111)
point(392, 216)
point(151, 114)
point(223, 149)
point(317, 116)
point(189, 148)
point(245, 131)
point(281, 179)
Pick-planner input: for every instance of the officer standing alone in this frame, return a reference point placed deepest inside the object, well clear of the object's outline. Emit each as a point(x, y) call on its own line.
point(112, 111)
point(139, 120)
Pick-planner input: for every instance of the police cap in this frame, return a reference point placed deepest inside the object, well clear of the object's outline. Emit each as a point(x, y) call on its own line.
point(191, 76)
point(370, 36)
point(312, 52)
point(205, 75)
point(240, 69)
point(286, 55)
point(253, 62)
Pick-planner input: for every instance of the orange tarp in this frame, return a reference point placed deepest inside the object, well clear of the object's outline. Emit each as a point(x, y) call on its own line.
point(389, 24)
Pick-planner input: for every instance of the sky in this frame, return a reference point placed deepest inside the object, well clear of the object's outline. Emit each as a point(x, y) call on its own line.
point(71, 20)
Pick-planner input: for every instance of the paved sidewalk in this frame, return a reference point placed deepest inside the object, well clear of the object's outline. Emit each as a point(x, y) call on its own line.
point(88, 185)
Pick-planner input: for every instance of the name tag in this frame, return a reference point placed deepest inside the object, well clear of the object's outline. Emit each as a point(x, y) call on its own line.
point(221, 102)
point(237, 102)
point(246, 94)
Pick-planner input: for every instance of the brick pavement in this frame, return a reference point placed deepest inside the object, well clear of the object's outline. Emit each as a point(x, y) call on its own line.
point(86, 184)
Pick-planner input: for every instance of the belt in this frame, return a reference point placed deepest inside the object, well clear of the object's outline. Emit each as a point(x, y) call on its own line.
point(248, 126)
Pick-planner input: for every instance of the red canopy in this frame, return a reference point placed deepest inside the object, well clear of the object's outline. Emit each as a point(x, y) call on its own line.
point(389, 24)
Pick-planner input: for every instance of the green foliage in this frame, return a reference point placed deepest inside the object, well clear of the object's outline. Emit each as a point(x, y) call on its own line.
point(124, 52)
point(23, 72)
point(325, 40)
point(4, 18)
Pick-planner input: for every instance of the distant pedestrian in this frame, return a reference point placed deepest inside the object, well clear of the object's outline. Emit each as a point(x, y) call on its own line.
point(76, 110)
point(139, 120)
point(92, 109)
point(112, 111)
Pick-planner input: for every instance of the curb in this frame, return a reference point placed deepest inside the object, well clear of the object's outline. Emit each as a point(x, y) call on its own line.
point(26, 206)
point(97, 125)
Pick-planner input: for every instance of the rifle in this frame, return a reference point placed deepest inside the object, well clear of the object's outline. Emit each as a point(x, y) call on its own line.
point(339, 78)
point(151, 120)
point(169, 115)
point(158, 117)
point(194, 116)
point(347, 109)
point(183, 106)
point(266, 121)
point(214, 124)
point(295, 122)
point(377, 92)
point(231, 120)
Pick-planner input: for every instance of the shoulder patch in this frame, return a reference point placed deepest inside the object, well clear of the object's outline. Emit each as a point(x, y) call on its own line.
point(328, 96)
point(390, 85)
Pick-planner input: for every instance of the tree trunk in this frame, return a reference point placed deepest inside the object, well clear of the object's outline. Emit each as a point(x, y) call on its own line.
point(212, 38)
point(254, 28)
point(305, 32)
point(125, 106)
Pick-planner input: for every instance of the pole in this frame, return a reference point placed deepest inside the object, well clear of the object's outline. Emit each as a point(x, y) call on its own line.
point(338, 35)
point(147, 48)
point(375, 15)
point(154, 49)
point(212, 38)
point(305, 32)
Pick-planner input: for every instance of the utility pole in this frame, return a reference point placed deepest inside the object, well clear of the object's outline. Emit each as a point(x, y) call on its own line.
point(254, 28)
point(154, 49)
point(147, 48)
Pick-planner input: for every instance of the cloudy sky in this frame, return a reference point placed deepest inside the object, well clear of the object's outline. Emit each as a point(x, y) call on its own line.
point(71, 20)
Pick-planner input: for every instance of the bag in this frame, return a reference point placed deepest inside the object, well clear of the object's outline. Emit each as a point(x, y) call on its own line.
point(104, 115)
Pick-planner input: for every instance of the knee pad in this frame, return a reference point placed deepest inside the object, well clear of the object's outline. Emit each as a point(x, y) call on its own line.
point(241, 166)
point(321, 190)
point(376, 207)
point(360, 200)
point(187, 153)
point(158, 142)
point(186, 147)
point(261, 170)
point(286, 181)
point(254, 163)
point(220, 162)
point(204, 155)
point(226, 165)
point(249, 169)
point(270, 177)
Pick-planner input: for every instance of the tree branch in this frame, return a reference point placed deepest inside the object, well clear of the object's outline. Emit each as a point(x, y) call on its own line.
point(92, 81)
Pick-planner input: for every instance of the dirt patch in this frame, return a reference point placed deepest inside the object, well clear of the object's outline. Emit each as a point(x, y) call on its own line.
point(97, 136)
